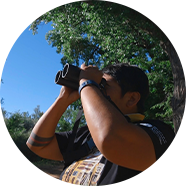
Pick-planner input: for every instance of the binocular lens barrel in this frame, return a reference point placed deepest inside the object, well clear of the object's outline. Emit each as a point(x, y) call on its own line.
point(71, 73)
point(69, 77)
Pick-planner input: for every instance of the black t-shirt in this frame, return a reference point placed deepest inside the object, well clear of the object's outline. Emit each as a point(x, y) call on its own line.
point(107, 172)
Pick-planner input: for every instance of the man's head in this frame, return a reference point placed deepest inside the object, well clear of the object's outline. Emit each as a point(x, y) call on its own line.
point(130, 79)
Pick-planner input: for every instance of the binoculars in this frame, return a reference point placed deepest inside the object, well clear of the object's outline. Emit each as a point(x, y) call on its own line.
point(69, 77)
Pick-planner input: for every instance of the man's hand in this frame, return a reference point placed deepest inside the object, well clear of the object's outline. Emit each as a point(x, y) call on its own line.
point(69, 95)
point(87, 73)
point(90, 73)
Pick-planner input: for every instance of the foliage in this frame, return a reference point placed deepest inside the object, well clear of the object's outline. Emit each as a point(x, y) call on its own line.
point(102, 29)
point(15, 129)
point(3, 113)
point(101, 32)
point(16, 124)
point(19, 126)
point(161, 88)
point(13, 171)
point(2, 101)
point(68, 119)
point(37, 114)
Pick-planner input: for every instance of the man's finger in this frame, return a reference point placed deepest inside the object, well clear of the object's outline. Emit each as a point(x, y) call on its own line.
point(83, 65)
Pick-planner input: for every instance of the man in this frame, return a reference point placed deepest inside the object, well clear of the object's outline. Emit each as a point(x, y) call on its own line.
point(125, 144)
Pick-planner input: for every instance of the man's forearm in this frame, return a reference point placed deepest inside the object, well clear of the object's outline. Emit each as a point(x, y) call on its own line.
point(46, 125)
point(103, 119)
point(42, 140)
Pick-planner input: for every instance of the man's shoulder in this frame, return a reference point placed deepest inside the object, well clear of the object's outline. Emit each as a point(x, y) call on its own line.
point(160, 133)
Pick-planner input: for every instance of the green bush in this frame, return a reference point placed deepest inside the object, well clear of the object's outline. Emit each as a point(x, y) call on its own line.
point(19, 127)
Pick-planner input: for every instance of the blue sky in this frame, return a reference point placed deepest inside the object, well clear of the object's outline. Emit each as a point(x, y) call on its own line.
point(29, 73)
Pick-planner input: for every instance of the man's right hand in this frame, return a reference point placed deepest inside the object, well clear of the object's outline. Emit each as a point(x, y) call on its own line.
point(70, 95)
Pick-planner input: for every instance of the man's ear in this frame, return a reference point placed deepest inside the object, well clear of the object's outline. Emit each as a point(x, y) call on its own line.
point(133, 98)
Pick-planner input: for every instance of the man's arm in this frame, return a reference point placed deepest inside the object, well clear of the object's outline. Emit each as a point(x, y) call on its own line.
point(119, 141)
point(42, 140)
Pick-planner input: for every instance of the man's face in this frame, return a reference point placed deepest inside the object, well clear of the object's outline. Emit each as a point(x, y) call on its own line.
point(127, 103)
point(113, 90)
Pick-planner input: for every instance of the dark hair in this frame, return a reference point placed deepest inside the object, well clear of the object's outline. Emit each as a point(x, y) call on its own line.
point(131, 79)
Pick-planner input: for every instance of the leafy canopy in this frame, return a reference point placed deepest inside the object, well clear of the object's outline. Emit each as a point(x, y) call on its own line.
point(101, 33)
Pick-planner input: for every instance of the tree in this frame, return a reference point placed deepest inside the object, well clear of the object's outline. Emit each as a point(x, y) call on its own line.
point(101, 33)
point(161, 90)
point(81, 38)
point(68, 119)
point(19, 126)
point(5, 113)
point(37, 114)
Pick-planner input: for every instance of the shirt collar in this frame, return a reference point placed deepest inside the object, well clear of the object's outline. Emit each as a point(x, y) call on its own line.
point(136, 117)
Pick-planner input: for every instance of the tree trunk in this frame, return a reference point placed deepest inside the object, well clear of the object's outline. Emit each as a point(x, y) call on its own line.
point(176, 48)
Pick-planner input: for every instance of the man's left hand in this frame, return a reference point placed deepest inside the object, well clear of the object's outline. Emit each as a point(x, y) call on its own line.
point(90, 73)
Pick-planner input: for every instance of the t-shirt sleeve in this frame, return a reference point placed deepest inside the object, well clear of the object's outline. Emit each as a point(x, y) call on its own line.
point(160, 133)
point(63, 138)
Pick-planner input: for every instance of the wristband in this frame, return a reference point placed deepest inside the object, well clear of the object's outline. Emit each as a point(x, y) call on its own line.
point(88, 82)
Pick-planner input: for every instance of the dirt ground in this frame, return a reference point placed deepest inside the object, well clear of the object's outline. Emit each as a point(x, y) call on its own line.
point(46, 175)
